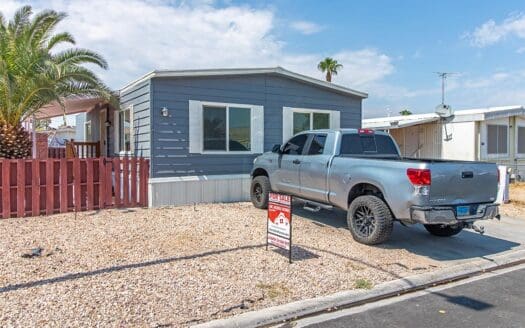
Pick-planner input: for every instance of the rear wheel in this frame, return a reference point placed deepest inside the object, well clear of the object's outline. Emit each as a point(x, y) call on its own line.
point(370, 220)
point(442, 230)
point(259, 191)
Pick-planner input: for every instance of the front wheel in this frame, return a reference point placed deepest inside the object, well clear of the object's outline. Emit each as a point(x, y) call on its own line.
point(442, 230)
point(370, 220)
point(259, 191)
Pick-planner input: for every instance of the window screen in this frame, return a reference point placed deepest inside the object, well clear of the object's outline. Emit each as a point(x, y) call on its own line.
point(521, 139)
point(497, 139)
point(214, 128)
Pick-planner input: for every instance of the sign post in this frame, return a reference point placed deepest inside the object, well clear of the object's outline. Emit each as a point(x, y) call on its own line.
point(279, 226)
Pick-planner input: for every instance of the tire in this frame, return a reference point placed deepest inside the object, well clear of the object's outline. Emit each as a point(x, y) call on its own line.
point(369, 220)
point(441, 230)
point(259, 190)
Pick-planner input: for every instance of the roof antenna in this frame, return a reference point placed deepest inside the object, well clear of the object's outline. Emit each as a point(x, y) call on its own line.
point(444, 111)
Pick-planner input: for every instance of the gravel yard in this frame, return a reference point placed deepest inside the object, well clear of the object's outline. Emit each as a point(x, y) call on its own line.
point(174, 267)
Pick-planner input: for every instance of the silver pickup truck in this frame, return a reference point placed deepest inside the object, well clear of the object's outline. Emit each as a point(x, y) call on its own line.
point(362, 172)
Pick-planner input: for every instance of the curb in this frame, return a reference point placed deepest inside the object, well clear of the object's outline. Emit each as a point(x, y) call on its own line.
point(345, 299)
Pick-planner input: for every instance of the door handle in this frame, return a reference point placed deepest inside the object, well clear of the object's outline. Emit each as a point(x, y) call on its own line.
point(296, 161)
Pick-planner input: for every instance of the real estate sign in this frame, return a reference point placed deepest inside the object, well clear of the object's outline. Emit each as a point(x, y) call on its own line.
point(279, 228)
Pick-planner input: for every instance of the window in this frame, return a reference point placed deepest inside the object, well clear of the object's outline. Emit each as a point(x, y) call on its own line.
point(296, 120)
point(356, 144)
point(88, 134)
point(317, 144)
point(497, 139)
point(296, 145)
point(310, 121)
point(124, 129)
point(521, 139)
point(226, 128)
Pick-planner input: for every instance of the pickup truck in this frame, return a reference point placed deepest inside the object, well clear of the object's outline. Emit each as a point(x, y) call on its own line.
point(361, 171)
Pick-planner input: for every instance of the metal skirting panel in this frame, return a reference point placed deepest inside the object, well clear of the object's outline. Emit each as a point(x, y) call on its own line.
point(199, 189)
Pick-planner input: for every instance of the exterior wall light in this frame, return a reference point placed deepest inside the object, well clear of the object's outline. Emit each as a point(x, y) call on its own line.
point(164, 112)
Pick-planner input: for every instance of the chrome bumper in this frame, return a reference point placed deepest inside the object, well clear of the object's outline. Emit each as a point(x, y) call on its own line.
point(447, 215)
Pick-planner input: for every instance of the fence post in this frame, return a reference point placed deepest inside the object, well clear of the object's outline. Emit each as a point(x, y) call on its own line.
point(125, 182)
point(20, 188)
point(134, 195)
point(116, 169)
point(89, 181)
point(101, 182)
point(50, 202)
point(63, 185)
point(77, 202)
point(6, 189)
point(35, 167)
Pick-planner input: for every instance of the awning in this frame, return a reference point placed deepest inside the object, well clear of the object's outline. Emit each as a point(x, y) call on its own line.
point(72, 106)
point(397, 124)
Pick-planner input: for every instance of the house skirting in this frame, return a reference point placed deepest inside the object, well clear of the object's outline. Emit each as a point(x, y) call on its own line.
point(199, 189)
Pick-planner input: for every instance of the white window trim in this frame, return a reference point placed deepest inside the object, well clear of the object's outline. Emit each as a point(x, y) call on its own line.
point(116, 120)
point(520, 122)
point(86, 123)
point(334, 119)
point(256, 130)
point(486, 139)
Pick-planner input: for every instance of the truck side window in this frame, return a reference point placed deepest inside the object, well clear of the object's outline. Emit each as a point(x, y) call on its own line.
point(317, 145)
point(296, 145)
point(355, 144)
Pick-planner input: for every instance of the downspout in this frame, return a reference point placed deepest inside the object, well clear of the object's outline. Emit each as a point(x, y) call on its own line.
point(33, 127)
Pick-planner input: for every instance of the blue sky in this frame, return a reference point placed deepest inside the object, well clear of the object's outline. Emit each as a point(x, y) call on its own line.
point(389, 49)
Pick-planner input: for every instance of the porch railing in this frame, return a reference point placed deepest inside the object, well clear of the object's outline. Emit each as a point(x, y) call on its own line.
point(82, 149)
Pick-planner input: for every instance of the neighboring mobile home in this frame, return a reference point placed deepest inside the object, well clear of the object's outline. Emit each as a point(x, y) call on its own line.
point(202, 129)
point(494, 134)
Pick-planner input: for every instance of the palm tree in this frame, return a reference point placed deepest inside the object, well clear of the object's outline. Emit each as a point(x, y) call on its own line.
point(405, 112)
point(33, 73)
point(330, 66)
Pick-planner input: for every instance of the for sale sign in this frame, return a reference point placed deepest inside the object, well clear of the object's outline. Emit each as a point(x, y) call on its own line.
point(279, 228)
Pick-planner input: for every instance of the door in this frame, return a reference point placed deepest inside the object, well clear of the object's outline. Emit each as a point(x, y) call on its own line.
point(103, 133)
point(314, 169)
point(287, 175)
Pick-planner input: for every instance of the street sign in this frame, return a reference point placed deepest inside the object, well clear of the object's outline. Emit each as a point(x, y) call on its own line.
point(279, 226)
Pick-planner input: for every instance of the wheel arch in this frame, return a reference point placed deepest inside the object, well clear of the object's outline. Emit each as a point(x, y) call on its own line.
point(367, 188)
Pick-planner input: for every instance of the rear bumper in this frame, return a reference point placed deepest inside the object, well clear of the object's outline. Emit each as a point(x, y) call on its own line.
point(447, 215)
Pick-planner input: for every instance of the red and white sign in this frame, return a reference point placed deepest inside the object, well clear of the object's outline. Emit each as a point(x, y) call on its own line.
point(279, 220)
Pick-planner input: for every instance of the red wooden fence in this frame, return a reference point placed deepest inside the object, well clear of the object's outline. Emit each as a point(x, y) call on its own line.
point(56, 152)
point(36, 187)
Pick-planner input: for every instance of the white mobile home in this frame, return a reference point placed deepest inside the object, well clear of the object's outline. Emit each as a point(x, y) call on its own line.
point(495, 134)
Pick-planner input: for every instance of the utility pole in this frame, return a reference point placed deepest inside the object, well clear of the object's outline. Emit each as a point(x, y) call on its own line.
point(443, 76)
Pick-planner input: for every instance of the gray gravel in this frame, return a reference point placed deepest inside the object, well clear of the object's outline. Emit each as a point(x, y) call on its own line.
point(176, 266)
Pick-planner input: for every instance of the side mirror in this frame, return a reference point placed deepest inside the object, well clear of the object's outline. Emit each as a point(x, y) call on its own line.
point(276, 149)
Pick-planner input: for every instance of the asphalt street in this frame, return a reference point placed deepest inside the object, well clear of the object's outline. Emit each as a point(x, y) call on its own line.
point(491, 300)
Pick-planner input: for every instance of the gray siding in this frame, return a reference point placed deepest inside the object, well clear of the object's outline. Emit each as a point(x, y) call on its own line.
point(169, 149)
point(139, 97)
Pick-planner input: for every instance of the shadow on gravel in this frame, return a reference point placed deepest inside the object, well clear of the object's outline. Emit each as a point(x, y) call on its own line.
point(416, 239)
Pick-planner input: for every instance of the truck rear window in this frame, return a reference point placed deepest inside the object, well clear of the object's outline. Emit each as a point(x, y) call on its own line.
point(367, 144)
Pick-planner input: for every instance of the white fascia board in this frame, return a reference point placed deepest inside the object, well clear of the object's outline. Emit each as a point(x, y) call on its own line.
point(244, 71)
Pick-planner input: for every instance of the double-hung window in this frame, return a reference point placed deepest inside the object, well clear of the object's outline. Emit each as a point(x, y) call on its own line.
point(225, 128)
point(520, 137)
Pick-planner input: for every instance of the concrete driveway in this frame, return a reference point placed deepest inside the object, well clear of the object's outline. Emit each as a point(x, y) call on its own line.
point(500, 237)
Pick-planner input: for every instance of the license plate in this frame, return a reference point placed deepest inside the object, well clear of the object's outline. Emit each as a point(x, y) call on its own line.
point(462, 210)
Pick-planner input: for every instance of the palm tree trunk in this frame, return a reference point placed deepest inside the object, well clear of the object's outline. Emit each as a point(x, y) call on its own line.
point(15, 141)
point(328, 76)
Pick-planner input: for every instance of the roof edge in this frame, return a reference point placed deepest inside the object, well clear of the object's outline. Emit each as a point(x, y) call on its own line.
point(243, 71)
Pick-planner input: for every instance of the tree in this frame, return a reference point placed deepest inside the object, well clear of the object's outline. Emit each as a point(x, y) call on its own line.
point(33, 73)
point(405, 112)
point(329, 66)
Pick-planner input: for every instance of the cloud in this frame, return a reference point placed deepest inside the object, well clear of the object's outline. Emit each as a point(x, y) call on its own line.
point(305, 27)
point(491, 32)
point(163, 34)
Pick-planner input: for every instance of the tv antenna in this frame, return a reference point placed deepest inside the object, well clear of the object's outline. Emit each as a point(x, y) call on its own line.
point(443, 76)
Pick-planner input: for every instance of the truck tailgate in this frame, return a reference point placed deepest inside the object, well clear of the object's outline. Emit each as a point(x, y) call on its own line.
point(463, 183)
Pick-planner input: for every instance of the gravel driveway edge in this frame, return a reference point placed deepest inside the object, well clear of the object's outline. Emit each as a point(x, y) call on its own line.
point(277, 314)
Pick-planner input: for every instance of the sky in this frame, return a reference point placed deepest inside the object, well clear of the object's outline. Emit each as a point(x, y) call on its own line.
point(389, 49)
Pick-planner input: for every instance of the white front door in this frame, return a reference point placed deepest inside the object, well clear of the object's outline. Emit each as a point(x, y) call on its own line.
point(103, 133)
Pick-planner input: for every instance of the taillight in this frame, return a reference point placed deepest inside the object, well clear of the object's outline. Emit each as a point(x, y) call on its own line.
point(419, 177)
